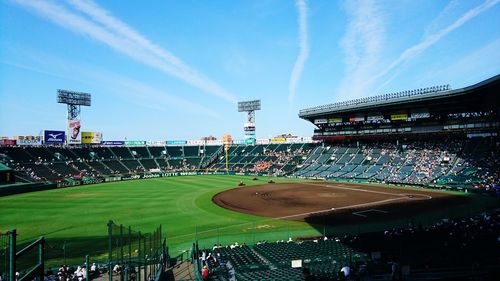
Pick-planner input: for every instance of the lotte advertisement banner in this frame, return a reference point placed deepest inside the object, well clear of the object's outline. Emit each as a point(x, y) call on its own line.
point(74, 133)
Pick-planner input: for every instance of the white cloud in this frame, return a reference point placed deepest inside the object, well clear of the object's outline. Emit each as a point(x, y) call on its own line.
point(432, 39)
point(468, 70)
point(136, 92)
point(362, 46)
point(303, 50)
point(122, 38)
point(364, 41)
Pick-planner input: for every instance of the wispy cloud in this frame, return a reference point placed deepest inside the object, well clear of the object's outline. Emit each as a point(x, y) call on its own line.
point(303, 50)
point(362, 46)
point(364, 42)
point(468, 69)
point(433, 38)
point(126, 88)
point(103, 27)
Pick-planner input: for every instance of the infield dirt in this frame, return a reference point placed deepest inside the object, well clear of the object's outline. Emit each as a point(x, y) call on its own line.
point(333, 203)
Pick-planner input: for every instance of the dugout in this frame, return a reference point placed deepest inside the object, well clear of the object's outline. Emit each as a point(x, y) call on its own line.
point(7, 175)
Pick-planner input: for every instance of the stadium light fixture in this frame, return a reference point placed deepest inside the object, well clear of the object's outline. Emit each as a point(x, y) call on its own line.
point(74, 100)
point(249, 127)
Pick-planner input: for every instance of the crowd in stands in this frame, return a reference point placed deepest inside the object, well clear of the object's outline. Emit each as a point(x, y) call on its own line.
point(262, 166)
point(47, 163)
point(71, 273)
point(79, 273)
point(274, 162)
point(447, 161)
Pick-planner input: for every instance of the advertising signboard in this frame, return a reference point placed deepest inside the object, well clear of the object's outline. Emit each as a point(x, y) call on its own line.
point(91, 137)
point(356, 119)
point(278, 140)
point(176, 142)
point(214, 142)
point(155, 143)
point(135, 143)
point(375, 116)
point(335, 120)
point(239, 142)
point(53, 137)
point(399, 117)
point(32, 142)
point(320, 121)
point(114, 143)
point(28, 140)
point(418, 115)
point(74, 133)
point(7, 142)
point(263, 141)
point(195, 142)
point(294, 140)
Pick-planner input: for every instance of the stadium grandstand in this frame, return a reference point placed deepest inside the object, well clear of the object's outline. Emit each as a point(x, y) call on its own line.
point(429, 136)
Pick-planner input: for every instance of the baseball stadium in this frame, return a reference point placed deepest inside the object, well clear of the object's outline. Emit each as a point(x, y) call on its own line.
point(396, 186)
point(396, 166)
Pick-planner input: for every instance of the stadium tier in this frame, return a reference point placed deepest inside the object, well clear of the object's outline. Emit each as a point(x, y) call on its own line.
point(273, 260)
point(446, 160)
point(49, 163)
point(440, 251)
point(472, 110)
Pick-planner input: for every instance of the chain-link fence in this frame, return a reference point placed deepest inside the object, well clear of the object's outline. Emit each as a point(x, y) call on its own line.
point(4, 256)
point(127, 254)
point(135, 255)
point(23, 263)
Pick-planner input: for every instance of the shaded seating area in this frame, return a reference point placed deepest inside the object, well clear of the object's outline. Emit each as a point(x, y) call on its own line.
point(273, 260)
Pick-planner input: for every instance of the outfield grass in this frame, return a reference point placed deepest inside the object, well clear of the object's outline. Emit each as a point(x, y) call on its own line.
point(78, 215)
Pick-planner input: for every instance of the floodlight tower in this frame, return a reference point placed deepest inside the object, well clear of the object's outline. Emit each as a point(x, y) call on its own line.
point(249, 128)
point(74, 100)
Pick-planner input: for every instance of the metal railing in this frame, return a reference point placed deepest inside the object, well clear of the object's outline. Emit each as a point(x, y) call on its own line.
point(34, 272)
point(384, 97)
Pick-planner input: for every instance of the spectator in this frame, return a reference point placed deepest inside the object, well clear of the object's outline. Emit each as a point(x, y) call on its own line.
point(204, 273)
point(307, 275)
point(345, 271)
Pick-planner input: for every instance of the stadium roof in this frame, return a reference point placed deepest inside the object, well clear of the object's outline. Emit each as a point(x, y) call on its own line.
point(407, 98)
point(4, 168)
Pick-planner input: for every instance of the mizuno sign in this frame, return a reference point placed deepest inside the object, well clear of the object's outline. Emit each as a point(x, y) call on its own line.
point(54, 137)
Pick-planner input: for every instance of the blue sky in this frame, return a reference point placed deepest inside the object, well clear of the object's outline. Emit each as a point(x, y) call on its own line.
point(162, 70)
